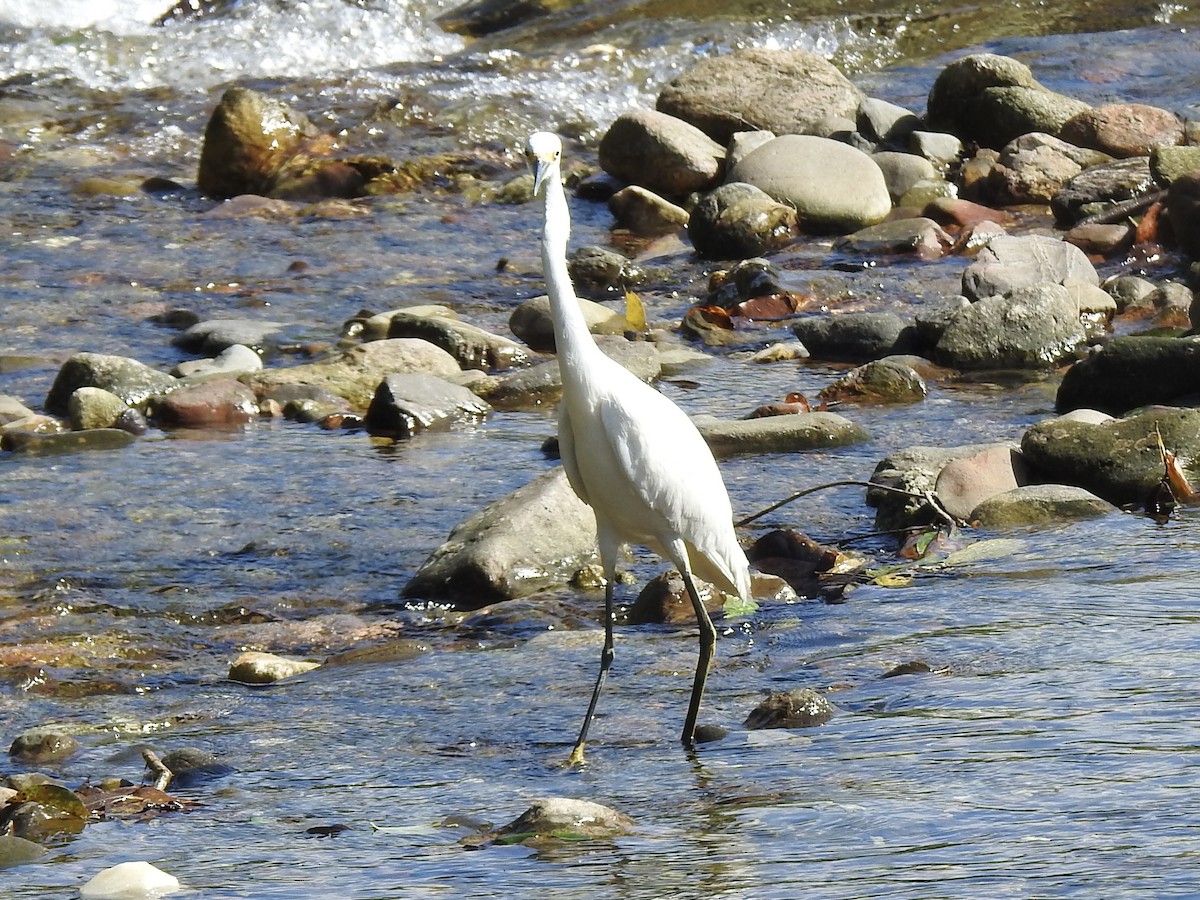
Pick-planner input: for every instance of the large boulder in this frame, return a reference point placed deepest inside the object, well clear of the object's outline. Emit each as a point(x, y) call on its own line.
point(1032, 327)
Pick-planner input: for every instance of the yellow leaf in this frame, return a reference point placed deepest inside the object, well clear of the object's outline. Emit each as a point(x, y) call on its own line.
point(635, 314)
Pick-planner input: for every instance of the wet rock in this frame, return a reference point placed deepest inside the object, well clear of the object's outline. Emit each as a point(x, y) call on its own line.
point(798, 708)
point(785, 91)
point(247, 140)
point(1100, 240)
point(1170, 163)
point(739, 220)
point(1009, 263)
point(887, 380)
point(254, 667)
point(781, 351)
point(779, 434)
point(130, 380)
point(1035, 167)
point(236, 359)
point(1123, 129)
point(902, 170)
point(1183, 208)
point(918, 235)
point(913, 470)
point(661, 152)
point(885, 123)
point(530, 539)
point(355, 374)
point(1094, 190)
point(1037, 504)
point(129, 881)
point(1171, 305)
point(993, 99)
point(664, 601)
point(374, 327)
point(947, 211)
point(967, 481)
point(1132, 371)
point(41, 746)
point(542, 383)
point(214, 336)
point(50, 444)
point(16, 851)
point(1092, 301)
point(470, 345)
point(301, 402)
point(1118, 460)
point(93, 407)
point(854, 336)
point(533, 323)
point(407, 403)
point(603, 272)
point(833, 186)
point(567, 818)
point(645, 213)
point(12, 409)
point(926, 191)
point(216, 403)
point(1032, 327)
point(191, 765)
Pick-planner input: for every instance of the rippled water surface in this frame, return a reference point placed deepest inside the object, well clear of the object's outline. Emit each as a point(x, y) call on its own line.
point(1050, 752)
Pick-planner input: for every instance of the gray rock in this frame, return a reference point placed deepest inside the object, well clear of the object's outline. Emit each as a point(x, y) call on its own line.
point(1132, 371)
point(532, 322)
point(661, 152)
point(1128, 290)
point(567, 818)
point(885, 123)
point(12, 409)
point(375, 327)
point(797, 708)
point(541, 384)
point(1035, 167)
point(42, 745)
point(93, 407)
point(16, 851)
point(902, 170)
point(132, 381)
point(1118, 460)
point(407, 403)
point(254, 667)
point(913, 470)
point(534, 538)
point(859, 336)
point(1009, 263)
point(779, 434)
point(834, 187)
point(644, 213)
point(216, 335)
point(1170, 163)
point(785, 91)
point(1096, 189)
point(1036, 504)
point(1032, 327)
point(940, 149)
point(355, 374)
point(603, 272)
point(739, 220)
point(235, 359)
point(916, 234)
point(742, 143)
point(470, 345)
point(887, 380)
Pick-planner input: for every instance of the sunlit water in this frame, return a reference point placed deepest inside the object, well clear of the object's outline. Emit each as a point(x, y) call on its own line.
point(1052, 752)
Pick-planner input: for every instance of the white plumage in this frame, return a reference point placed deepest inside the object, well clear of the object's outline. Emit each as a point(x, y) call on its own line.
point(630, 453)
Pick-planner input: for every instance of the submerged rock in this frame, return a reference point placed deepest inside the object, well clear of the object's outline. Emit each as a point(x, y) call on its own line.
point(42, 745)
point(799, 708)
point(563, 818)
point(137, 880)
point(253, 667)
point(1037, 504)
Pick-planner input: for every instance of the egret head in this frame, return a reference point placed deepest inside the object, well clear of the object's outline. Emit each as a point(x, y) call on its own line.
point(543, 151)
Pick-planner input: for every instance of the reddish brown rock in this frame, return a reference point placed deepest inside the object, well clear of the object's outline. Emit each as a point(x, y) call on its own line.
point(1124, 129)
point(966, 482)
point(212, 403)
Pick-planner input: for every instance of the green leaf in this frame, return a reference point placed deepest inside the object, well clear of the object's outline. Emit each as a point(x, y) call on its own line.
point(737, 608)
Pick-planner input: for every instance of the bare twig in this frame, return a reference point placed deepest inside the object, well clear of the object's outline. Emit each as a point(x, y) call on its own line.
point(155, 765)
point(926, 496)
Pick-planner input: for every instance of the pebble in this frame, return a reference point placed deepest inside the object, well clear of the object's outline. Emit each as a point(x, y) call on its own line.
point(254, 667)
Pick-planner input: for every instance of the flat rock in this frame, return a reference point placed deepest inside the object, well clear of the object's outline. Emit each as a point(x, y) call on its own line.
point(533, 538)
point(542, 384)
point(779, 434)
point(254, 667)
point(33, 443)
point(1037, 504)
point(405, 404)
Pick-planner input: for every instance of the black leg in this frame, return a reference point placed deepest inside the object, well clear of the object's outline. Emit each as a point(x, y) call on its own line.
point(708, 640)
point(606, 658)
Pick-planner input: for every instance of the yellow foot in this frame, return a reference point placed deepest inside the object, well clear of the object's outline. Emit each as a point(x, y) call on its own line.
point(576, 756)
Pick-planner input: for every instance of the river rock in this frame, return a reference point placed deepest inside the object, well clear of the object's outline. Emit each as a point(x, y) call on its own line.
point(1010, 262)
point(857, 336)
point(918, 235)
point(1032, 327)
point(137, 880)
point(644, 213)
point(939, 148)
point(1118, 460)
point(36, 443)
point(778, 434)
point(16, 851)
point(664, 600)
point(1037, 504)
point(541, 384)
point(784, 91)
point(12, 409)
point(1170, 163)
point(407, 403)
point(1132, 371)
point(833, 186)
point(132, 381)
point(1094, 190)
point(742, 143)
point(966, 481)
point(247, 140)
point(568, 818)
point(236, 359)
point(355, 374)
point(218, 403)
point(254, 667)
point(885, 123)
point(42, 745)
point(738, 220)
point(661, 152)
point(914, 470)
point(374, 326)
point(214, 336)
point(902, 170)
point(533, 538)
point(1035, 167)
point(1096, 239)
point(533, 323)
point(470, 345)
point(1123, 129)
point(1183, 207)
point(601, 272)
point(93, 407)
point(993, 99)
point(887, 380)
point(797, 708)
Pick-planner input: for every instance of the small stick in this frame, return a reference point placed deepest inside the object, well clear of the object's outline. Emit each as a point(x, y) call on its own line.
point(927, 496)
point(155, 765)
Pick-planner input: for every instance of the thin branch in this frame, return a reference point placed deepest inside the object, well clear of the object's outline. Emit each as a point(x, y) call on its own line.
point(155, 765)
point(926, 496)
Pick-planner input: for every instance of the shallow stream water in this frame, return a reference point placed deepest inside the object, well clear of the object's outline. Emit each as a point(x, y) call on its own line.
point(1052, 752)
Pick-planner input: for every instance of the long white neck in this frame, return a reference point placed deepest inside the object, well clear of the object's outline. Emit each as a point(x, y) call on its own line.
point(571, 336)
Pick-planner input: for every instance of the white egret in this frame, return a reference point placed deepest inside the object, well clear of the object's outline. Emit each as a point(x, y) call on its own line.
point(631, 454)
